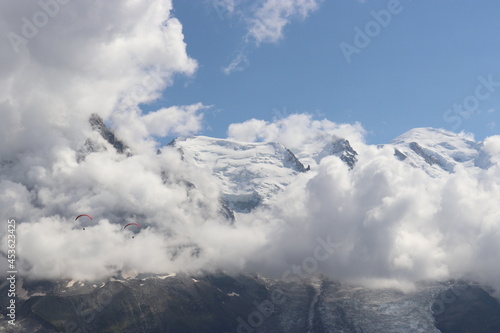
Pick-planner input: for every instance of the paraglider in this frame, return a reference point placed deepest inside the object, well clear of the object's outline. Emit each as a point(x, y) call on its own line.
point(137, 224)
point(90, 217)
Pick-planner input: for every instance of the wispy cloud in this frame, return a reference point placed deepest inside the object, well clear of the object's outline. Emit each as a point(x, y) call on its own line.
point(265, 22)
point(268, 21)
point(239, 63)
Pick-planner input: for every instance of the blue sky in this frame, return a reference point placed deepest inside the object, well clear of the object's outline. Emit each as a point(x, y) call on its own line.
point(428, 58)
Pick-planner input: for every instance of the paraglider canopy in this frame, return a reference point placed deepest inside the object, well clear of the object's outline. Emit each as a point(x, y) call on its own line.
point(132, 224)
point(90, 217)
point(137, 224)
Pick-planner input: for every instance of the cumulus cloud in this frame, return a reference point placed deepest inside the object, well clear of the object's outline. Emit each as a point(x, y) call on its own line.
point(388, 223)
point(301, 133)
point(104, 57)
point(391, 224)
point(61, 62)
point(174, 120)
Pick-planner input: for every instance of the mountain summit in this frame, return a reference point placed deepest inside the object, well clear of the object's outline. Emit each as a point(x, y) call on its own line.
point(438, 151)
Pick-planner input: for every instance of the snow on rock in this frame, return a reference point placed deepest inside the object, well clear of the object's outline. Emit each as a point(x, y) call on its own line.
point(438, 151)
point(167, 276)
point(70, 283)
point(340, 148)
point(249, 174)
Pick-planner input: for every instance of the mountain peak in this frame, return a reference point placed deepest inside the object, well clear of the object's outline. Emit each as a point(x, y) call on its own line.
point(341, 148)
point(98, 125)
point(432, 134)
point(438, 150)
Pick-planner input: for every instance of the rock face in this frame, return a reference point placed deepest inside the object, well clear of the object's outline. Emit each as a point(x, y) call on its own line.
point(342, 149)
point(215, 303)
point(98, 125)
point(472, 309)
point(212, 303)
point(92, 145)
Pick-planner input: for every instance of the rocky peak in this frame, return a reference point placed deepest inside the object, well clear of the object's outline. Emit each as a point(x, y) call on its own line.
point(98, 125)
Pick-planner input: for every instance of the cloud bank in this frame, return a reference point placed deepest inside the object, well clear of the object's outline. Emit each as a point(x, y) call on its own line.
point(104, 57)
point(392, 223)
point(61, 62)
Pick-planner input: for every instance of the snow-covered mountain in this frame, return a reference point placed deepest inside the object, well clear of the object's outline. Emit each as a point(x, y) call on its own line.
point(249, 173)
point(438, 151)
point(340, 148)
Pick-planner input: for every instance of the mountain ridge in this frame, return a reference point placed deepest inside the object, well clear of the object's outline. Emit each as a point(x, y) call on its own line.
point(250, 174)
point(217, 302)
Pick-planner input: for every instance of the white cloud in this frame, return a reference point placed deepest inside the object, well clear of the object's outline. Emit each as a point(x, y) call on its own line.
point(266, 21)
point(171, 121)
point(392, 223)
point(237, 64)
point(301, 133)
point(103, 57)
point(272, 16)
point(249, 131)
point(175, 120)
